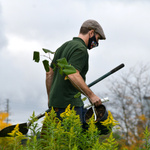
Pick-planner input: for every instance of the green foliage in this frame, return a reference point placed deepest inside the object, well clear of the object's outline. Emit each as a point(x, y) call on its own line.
point(51, 131)
point(34, 127)
point(36, 56)
point(64, 134)
point(110, 122)
point(48, 51)
point(14, 141)
point(90, 136)
point(110, 143)
point(61, 134)
point(68, 69)
point(62, 64)
point(77, 95)
point(46, 65)
point(32, 142)
point(84, 98)
point(147, 138)
point(64, 67)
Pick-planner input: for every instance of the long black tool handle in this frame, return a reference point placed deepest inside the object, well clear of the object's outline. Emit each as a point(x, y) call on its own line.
point(43, 114)
point(39, 116)
point(106, 75)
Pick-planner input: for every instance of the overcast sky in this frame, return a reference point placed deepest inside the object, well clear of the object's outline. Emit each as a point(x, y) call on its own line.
point(30, 25)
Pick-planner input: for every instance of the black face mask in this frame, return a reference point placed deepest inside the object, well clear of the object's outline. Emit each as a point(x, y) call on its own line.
point(92, 42)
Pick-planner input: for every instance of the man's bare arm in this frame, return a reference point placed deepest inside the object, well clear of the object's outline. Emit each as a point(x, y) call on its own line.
point(77, 80)
point(49, 79)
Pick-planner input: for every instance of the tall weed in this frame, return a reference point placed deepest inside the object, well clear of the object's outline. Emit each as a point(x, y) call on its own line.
point(64, 134)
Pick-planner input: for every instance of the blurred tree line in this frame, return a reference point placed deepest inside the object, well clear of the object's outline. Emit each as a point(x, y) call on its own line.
point(4, 114)
point(3, 117)
point(130, 104)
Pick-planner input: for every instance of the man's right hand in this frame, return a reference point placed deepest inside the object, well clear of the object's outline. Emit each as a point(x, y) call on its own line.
point(95, 100)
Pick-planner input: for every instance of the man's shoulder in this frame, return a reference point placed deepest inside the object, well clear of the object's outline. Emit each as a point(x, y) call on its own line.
point(77, 42)
point(69, 47)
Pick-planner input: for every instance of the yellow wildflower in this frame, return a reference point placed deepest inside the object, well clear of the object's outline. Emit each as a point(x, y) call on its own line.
point(110, 122)
point(67, 112)
point(16, 138)
point(16, 132)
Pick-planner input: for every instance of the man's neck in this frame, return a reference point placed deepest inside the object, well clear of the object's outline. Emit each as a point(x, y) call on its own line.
point(85, 38)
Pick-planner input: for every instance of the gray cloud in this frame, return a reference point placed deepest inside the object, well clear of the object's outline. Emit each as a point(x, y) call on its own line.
point(3, 40)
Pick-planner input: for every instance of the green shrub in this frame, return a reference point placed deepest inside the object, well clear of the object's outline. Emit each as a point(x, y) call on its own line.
point(64, 134)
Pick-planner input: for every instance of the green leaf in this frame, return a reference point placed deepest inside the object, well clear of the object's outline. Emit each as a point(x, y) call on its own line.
point(36, 56)
point(83, 99)
point(46, 65)
point(69, 69)
point(61, 71)
point(47, 51)
point(77, 95)
point(54, 67)
point(62, 62)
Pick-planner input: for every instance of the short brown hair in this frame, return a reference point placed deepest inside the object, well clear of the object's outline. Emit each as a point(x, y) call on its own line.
point(84, 30)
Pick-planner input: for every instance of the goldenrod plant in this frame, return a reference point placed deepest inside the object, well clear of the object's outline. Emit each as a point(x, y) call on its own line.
point(66, 134)
point(32, 142)
point(15, 139)
point(52, 132)
point(61, 134)
point(147, 138)
point(110, 122)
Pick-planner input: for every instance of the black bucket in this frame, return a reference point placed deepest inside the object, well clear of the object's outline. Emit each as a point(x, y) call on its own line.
point(101, 114)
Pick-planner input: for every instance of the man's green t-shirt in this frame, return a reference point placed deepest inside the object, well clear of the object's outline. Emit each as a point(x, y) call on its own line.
point(62, 91)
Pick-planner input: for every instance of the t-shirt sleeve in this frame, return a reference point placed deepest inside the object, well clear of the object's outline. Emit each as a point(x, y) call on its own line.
point(78, 59)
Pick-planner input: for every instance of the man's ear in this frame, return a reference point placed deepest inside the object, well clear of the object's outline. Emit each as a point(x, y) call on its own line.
point(91, 33)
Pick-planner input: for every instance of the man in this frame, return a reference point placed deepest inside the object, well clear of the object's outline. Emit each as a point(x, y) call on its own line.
point(61, 92)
